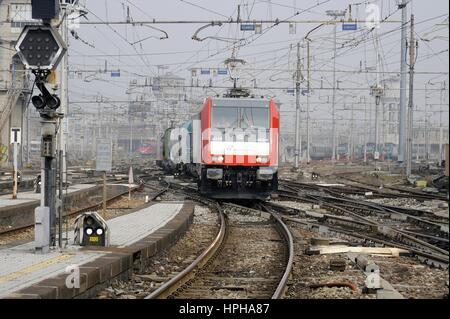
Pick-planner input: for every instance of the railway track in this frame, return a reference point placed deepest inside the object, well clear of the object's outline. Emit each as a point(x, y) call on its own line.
point(396, 191)
point(218, 270)
point(422, 233)
point(84, 180)
point(362, 189)
point(319, 191)
point(93, 207)
point(420, 217)
point(155, 193)
point(355, 220)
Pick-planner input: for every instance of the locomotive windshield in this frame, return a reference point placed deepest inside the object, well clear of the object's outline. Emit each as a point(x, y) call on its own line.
point(245, 117)
point(254, 118)
point(225, 117)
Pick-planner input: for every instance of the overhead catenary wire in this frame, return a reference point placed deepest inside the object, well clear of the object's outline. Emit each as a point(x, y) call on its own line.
point(273, 60)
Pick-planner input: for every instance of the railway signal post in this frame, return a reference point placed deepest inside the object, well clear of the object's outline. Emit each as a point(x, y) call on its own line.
point(40, 47)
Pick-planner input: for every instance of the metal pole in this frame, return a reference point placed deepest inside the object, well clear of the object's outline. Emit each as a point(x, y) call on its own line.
point(365, 131)
point(308, 134)
point(402, 113)
point(28, 133)
point(351, 144)
point(297, 110)
point(131, 137)
point(84, 146)
point(441, 129)
point(378, 93)
point(377, 131)
point(412, 58)
point(385, 122)
point(333, 158)
point(48, 188)
point(427, 155)
point(14, 196)
point(60, 192)
point(50, 197)
point(64, 92)
point(104, 192)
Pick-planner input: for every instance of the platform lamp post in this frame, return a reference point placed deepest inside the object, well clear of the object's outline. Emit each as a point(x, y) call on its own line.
point(40, 47)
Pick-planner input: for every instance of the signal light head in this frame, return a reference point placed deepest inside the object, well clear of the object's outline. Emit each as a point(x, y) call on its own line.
point(40, 47)
point(38, 102)
point(53, 102)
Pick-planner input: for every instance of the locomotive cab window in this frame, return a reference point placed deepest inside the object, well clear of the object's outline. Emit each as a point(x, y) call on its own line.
point(233, 117)
point(225, 117)
point(254, 117)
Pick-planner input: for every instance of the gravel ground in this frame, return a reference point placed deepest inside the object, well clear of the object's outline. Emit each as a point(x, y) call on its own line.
point(407, 275)
point(310, 270)
point(411, 278)
point(435, 206)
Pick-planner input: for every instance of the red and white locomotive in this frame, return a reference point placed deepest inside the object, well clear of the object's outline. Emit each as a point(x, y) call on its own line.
point(231, 146)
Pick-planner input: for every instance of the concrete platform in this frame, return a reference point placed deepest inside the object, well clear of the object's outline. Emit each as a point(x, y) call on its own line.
point(25, 183)
point(20, 212)
point(134, 238)
point(27, 197)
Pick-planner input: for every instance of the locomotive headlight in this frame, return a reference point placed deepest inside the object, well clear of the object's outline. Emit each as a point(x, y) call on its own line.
point(89, 231)
point(218, 159)
point(262, 159)
point(99, 231)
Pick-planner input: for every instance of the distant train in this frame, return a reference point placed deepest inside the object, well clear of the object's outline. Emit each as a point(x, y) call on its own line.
point(231, 146)
point(148, 148)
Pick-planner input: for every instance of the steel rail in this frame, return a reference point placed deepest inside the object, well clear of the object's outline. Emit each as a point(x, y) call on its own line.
point(171, 286)
point(282, 285)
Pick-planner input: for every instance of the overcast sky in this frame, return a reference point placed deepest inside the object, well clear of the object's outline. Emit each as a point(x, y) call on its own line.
point(271, 56)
